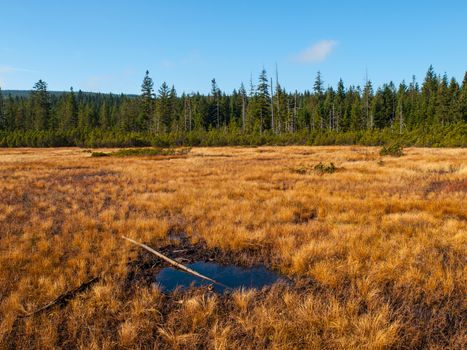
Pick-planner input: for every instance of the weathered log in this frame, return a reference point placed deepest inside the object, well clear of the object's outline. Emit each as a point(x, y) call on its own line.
point(64, 298)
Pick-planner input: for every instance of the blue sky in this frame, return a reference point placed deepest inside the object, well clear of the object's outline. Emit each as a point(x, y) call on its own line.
point(106, 46)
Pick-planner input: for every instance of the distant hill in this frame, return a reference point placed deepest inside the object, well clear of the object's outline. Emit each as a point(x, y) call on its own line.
point(26, 93)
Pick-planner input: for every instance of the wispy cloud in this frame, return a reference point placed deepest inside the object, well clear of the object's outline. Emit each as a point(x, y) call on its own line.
point(96, 82)
point(10, 69)
point(167, 64)
point(106, 82)
point(317, 52)
point(191, 57)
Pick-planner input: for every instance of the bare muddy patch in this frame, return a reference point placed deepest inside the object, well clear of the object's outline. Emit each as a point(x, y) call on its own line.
point(246, 269)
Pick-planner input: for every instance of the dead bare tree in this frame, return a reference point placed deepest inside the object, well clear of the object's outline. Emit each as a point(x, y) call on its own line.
point(272, 109)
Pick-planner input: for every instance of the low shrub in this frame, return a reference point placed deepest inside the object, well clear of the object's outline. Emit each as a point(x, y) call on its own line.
point(99, 154)
point(394, 150)
point(299, 170)
point(135, 152)
point(322, 168)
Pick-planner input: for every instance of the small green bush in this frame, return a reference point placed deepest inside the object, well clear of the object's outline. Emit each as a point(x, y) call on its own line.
point(99, 154)
point(394, 150)
point(300, 170)
point(325, 169)
point(134, 152)
point(142, 152)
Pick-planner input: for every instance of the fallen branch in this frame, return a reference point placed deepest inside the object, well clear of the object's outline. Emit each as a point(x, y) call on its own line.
point(176, 264)
point(65, 297)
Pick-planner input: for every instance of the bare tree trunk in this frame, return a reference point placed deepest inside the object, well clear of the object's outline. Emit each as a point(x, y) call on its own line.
point(243, 112)
point(278, 97)
point(294, 112)
point(185, 115)
point(191, 113)
point(272, 110)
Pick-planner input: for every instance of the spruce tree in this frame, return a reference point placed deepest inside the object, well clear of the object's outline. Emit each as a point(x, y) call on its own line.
point(40, 106)
point(413, 103)
point(318, 96)
point(146, 102)
point(429, 91)
point(18, 115)
point(318, 85)
point(164, 108)
point(70, 113)
point(401, 110)
point(442, 101)
point(214, 114)
point(367, 101)
point(104, 115)
point(463, 99)
point(341, 122)
point(3, 125)
point(244, 100)
point(85, 116)
point(173, 110)
point(128, 113)
point(263, 100)
point(453, 101)
point(252, 124)
point(285, 119)
point(355, 111)
point(329, 109)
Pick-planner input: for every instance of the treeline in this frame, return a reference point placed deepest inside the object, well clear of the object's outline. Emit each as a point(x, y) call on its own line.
point(433, 114)
point(453, 135)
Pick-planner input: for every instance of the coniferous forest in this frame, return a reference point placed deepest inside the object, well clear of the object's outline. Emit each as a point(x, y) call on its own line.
point(433, 113)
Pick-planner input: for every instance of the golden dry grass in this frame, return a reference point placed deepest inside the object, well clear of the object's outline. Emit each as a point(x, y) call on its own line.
point(377, 250)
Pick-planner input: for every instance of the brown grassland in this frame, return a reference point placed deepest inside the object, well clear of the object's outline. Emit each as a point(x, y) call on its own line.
point(376, 251)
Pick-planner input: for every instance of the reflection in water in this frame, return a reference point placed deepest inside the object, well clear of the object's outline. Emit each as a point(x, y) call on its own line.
point(230, 275)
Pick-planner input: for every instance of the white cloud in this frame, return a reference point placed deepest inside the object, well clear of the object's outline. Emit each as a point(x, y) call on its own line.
point(167, 64)
point(317, 53)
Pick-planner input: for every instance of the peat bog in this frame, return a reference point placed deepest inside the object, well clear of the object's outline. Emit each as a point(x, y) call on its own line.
point(370, 256)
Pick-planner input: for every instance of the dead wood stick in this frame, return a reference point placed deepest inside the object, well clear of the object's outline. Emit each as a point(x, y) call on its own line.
point(63, 297)
point(176, 264)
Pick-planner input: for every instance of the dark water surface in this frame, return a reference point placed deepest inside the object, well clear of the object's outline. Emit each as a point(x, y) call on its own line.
point(230, 275)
